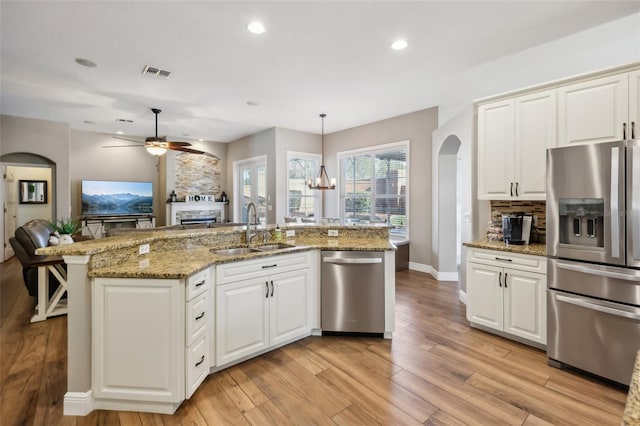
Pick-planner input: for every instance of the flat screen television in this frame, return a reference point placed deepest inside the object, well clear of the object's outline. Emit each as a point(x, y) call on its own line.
point(116, 198)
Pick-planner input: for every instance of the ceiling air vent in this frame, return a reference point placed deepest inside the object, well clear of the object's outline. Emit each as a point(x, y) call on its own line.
point(155, 72)
point(123, 120)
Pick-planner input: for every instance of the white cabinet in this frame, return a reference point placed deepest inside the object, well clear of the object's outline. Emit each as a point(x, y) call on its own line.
point(513, 135)
point(150, 341)
point(506, 292)
point(596, 110)
point(262, 304)
point(634, 104)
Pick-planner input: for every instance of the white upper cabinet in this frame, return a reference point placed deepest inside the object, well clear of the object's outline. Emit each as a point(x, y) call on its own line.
point(634, 104)
point(513, 136)
point(594, 111)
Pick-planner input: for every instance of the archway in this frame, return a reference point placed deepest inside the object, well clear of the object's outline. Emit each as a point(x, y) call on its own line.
point(449, 210)
point(18, 167)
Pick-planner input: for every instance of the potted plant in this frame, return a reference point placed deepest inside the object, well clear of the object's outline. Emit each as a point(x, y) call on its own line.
point(65, 227)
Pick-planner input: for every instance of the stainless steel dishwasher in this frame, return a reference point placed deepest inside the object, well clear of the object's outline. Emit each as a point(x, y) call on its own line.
point(352, 291)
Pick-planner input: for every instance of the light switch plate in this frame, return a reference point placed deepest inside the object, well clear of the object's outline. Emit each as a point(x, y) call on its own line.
point(144, 249)
point(333, 232)
point(291, 233)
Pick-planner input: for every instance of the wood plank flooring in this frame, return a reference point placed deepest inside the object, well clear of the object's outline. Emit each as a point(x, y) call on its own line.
point(436, 371)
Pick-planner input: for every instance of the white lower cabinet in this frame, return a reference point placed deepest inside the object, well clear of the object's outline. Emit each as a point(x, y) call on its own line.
point(506, 292)
point(150, 341)
point(268, 310)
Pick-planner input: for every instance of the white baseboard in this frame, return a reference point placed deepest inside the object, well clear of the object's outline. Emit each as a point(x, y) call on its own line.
point(428, 269)
point(462, 296)
point(78, 403)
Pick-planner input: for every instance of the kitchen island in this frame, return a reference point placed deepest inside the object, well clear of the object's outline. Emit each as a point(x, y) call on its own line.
point(144, 330)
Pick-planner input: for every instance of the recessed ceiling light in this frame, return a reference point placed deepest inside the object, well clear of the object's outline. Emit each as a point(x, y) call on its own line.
point(252, 103)
point(85, 62)
point(256, 27)
point(119, 132)
point(399, 45)
point(200, 140)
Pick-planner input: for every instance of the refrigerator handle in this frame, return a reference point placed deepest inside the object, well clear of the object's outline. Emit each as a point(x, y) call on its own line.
point(635, 203)
point(630, 275)
point(614, 203)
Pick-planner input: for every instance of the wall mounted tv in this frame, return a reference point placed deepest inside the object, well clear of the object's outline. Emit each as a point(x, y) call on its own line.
point(115, 198)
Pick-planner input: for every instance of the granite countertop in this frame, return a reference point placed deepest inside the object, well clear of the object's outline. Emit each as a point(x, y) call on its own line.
point(631, 414)
point(534, 249)
point(183, 263)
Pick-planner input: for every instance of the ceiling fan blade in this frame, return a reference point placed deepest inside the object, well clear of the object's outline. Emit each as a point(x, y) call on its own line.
point(122, 146)
point(189, 150)
point(177, 144)
point(127, 139)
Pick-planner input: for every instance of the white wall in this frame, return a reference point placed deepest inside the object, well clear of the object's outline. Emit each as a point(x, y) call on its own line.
point(416, 127)
point(27, 212)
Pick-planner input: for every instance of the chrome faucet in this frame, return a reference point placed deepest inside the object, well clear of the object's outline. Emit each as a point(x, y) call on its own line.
point(251, 220)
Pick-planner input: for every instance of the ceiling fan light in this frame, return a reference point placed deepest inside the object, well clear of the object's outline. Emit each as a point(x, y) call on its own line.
point(156, 150)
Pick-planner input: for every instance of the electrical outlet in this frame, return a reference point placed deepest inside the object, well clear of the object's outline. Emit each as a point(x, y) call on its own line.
point(291, 233)
point(144, 263)
point(144, 249)
point(333, 232)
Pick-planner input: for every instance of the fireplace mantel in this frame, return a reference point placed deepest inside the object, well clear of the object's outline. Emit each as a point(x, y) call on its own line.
point(176, 209)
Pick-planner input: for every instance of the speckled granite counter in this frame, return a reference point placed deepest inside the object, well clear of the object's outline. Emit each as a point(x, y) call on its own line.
point(178, 254)
point(631, 414)
point(534, 249)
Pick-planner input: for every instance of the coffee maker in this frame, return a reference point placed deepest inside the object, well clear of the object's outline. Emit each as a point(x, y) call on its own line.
point(516, 228)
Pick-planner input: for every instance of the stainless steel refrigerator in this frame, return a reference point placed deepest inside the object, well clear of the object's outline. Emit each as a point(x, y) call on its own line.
point(593, 249)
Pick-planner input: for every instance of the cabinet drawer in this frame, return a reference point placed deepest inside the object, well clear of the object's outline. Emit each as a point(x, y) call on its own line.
point(247, 269)
point(197, 317)
point(523, 262)
point(197, 368)
point(197, 283)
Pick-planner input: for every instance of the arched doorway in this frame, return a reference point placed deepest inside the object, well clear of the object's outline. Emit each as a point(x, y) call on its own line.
point(18, 167)
point(449, 206)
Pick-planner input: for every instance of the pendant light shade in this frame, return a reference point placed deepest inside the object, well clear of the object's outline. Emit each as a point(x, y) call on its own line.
point(322, 181)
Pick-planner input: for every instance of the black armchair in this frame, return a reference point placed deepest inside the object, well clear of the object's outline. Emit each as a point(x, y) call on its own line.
point(38, 271)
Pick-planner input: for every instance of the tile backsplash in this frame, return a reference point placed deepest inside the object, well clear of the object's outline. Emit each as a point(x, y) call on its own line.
point(536, 208)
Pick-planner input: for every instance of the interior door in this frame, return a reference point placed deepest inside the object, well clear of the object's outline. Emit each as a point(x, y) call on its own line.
point(251, 184)
point(10, 209)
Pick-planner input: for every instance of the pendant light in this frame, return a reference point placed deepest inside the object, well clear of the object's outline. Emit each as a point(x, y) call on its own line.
point(322, 182)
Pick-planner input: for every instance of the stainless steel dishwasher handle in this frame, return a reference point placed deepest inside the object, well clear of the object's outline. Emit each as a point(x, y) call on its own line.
point(351, 260)
point(597, 306)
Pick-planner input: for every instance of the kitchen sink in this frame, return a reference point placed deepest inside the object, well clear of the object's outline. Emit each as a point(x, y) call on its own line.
point(236, 251)
point(271, 247)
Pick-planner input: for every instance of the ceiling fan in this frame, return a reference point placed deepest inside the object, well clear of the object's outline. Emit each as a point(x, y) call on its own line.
point(157, 145)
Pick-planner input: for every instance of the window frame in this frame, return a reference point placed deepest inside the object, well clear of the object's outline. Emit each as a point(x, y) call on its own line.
point(373, 151)
point(317, 158)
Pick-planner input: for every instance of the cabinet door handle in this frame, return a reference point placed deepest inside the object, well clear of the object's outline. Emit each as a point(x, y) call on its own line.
point(269, 266)
point(500, 280)
point(200, 316)
point(511, 190)
point(517, 195)
point(271, 288)
point(266, 284)
point(199, 284)
point(200, 362)
point(624, 131)
point(505, 279)
point(633, 130)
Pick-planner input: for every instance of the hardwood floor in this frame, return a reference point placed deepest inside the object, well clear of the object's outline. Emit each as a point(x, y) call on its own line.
point(435, 371)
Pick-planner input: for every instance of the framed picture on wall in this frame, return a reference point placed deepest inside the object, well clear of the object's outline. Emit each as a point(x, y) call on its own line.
point(33, 192)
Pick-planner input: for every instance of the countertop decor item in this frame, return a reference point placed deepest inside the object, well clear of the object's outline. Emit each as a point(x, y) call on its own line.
point(65, 227)
point(322, 181)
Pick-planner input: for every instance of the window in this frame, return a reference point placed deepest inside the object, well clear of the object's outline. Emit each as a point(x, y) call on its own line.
point(302, 202)
point(374, 186)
